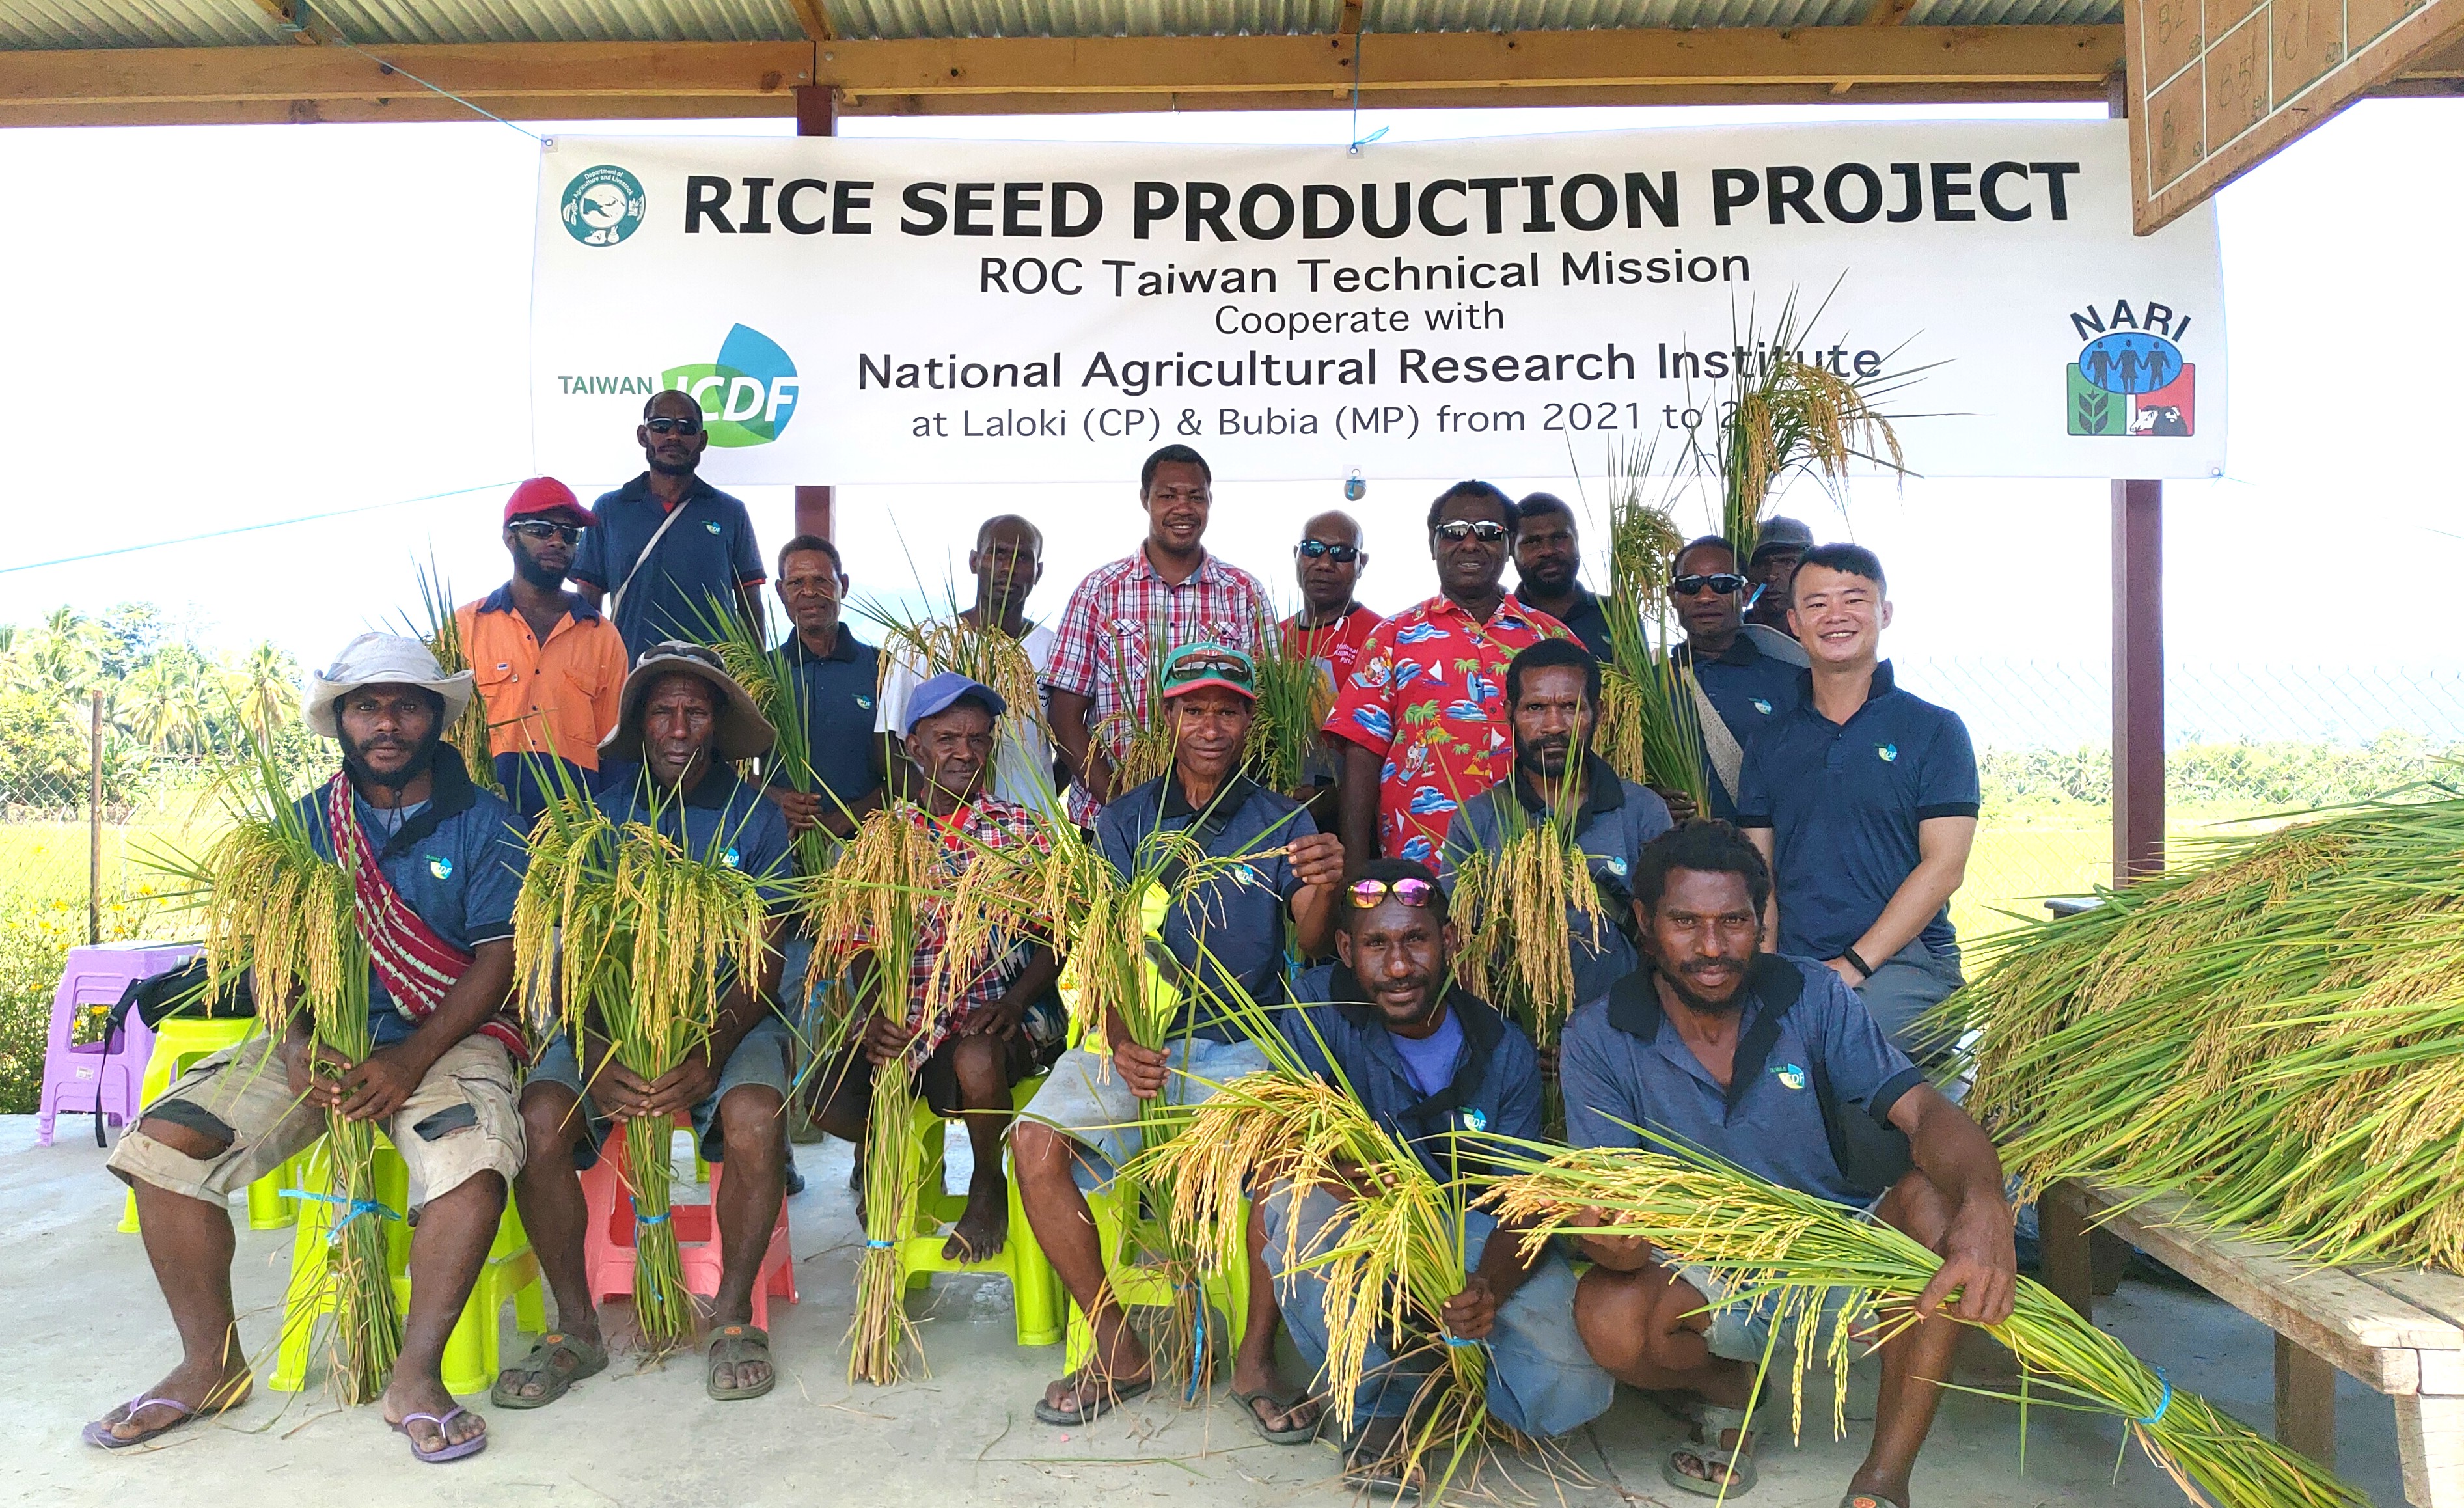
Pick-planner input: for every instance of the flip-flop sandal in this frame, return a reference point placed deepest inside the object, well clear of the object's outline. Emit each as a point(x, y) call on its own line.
point(1726, 1473)
point(539, 1366)
point(1090, 1409)
point(1856, 1499)
point(1295, 1434)
point(733, 1344)
point(97, 1432)
point(451, 1451)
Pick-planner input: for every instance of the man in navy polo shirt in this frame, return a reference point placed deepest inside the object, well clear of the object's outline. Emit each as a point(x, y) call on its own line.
point(1743, 690)
point(671, 549)
point(1771, 1063)
point(838, 677)
point(1863, 799)
point(1547, 571)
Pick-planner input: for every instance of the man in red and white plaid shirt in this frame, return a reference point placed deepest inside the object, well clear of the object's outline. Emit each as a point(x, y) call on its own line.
point(1004, 1022)
point(1125, 616)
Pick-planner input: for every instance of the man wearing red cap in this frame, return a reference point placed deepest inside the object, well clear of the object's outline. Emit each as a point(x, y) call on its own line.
point(550, 666)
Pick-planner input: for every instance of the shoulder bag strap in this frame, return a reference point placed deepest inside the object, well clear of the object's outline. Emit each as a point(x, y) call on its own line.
point(1727, 756)
point(617, 602)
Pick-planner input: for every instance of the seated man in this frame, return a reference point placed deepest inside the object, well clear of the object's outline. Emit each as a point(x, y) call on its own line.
point(1553, 700)
point(435, 860)
point(1757, 1057)
point(687, 721)
point(980, 1050)
point(1084, 1123)
point(1424, 1059)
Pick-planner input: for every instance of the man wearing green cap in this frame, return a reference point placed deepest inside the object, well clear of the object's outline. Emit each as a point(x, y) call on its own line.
point(1225, 934)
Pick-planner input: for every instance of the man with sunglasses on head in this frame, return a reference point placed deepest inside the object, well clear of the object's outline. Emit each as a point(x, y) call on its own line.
point(1223, 935)
point(1330, 630)
point(667, 552)
point(550, 669)
point(1424, 1058)
point(1738, 689)
point(1548, 568)
point(1422, 718)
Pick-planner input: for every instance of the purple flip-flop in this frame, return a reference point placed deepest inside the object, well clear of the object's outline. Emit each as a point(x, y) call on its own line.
point(97, 1432)
point(443, 1452)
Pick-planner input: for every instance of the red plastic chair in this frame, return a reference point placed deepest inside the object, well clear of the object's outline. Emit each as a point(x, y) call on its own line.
point(607, 1240)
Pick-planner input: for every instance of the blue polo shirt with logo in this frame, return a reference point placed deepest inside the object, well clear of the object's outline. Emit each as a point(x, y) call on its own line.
point(457, 862)
point(1622, 1066)
point(1750, 691)
point(836, 692)
point(1843, 802)
point(1494, 1085)
point(721, 816)
point(705, 554)
point(1239, 918)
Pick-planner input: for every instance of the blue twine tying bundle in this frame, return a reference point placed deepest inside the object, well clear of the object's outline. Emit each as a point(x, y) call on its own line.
point(640, 1219)
point(352, 1209)
point(2161, 1404)
point(879, 1246)
point(1454, 1340)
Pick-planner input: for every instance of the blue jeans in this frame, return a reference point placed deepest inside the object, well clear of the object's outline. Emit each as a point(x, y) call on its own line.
point(1541, 1381)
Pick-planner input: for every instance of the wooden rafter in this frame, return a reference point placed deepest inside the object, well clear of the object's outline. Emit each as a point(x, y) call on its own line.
point(295, 20)
point(814, 16)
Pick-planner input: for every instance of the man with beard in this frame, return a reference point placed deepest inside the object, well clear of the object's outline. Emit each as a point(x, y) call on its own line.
point(674, 551)
point(1006, 562)
point(1771, 573)
point(1773, 1064)
point(688, 723)
point(1738, 689)
point(435, 869)
point(1547, 570)
point(1424, 1059)
point(1553, 700)
point(837, 677)
point(1229, 932)
point(549, 666)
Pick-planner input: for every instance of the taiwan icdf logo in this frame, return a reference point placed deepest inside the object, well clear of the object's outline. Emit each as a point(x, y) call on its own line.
point(747, 396)
point(2130, 377)
point(602, 206)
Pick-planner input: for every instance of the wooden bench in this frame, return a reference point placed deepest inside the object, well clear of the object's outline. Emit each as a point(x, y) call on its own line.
point(2400, 1332)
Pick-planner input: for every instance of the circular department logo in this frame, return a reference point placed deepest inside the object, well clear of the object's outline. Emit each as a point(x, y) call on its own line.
point(602, 206)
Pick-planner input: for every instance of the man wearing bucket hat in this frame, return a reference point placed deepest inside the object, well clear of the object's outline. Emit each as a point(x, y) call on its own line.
point(549, 665)
point(434, 865)
point(1771, 574)
point(1229, 933)
point(686, 720)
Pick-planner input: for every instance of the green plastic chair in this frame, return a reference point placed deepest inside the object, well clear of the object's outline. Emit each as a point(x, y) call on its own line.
point(179, 1042)
point(1036, 1295)
point(1136, 1285)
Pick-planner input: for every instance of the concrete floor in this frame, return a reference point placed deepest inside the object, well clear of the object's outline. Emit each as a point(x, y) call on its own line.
point(87, 1331)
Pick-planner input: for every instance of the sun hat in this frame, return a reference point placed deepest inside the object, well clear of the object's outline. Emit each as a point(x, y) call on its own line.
point(1781, 533)
point(547, 498)
point(382, 660)
point(1193, 667)
point(942, 691)
point(743, 732)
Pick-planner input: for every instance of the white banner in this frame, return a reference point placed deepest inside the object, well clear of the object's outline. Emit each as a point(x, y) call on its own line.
point(855, 311)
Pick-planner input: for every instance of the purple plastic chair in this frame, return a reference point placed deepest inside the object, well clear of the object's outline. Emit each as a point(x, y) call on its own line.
point(80, 1078)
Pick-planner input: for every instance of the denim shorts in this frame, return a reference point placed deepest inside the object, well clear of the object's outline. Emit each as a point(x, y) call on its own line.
point(1743, 1331)
point(762, 1058)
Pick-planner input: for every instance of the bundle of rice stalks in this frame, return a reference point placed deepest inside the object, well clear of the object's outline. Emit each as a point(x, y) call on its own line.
point(1649, 728)
point(442, 632)
point(2275, 1030)
point(770, 680)
point(983, 654)
point(1136, 736)
point(1519, 909)
point(273, 905)
point(628, 938)
point(1796, 1255)
point(1294, 697)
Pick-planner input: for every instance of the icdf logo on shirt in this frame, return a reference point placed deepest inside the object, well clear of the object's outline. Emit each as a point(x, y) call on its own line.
point(747, 396)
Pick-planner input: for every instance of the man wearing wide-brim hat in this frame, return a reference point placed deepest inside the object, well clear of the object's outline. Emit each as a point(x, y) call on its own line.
point(435, 866)
point(686, 721)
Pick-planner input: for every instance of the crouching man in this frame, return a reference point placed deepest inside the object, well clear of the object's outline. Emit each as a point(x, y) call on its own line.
point(435, 865)
point(1424, 1059)
point(1741, 1052)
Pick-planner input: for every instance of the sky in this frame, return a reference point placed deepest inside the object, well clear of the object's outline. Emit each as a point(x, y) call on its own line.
point(210, 328)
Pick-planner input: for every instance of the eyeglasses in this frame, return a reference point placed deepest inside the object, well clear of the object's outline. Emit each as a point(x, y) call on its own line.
point(1319, 549)
point(1367, 895)
point(1210, 667)
point(1459, 530)
point(542, 530)
point(1722, 582)
point(667, 424)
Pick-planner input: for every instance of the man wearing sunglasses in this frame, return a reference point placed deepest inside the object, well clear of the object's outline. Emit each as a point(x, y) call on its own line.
point(1426, 1058)
point(1547, 570)
point(1225, 935)
point(1330, 630)
point(1422, 719)
point(668, 552)
point(550, 669)
point(1738, 689)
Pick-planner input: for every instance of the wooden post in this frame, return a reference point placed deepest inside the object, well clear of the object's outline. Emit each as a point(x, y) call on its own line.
point(94, 828)
point(817, 114)
point(2138, 679)
point(2062, 1247)
point(2305, 1403)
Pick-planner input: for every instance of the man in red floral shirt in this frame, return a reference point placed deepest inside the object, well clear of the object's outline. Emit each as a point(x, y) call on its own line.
point(1423, 715)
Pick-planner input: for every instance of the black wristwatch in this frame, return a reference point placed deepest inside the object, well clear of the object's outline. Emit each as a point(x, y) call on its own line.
point(1864, 970)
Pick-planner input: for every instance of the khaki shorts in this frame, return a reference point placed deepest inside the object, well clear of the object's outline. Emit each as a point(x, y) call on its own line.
point(458, 1124)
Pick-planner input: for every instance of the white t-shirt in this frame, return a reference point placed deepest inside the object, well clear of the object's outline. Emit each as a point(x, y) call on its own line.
point(1023, 771)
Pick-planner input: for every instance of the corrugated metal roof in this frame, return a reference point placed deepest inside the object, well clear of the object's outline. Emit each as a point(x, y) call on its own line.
point(47, 24)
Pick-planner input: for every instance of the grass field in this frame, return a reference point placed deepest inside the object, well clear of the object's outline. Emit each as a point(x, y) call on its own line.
point(2024, 855)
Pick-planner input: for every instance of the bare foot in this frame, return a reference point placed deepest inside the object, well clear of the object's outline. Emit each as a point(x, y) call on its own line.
point(195, 1389)
point(408, 1396)
point(984, 1226)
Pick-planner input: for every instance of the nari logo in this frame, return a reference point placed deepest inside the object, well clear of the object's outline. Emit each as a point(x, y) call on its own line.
point(748, 394)
point(2130, 377)
point(602, 206)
